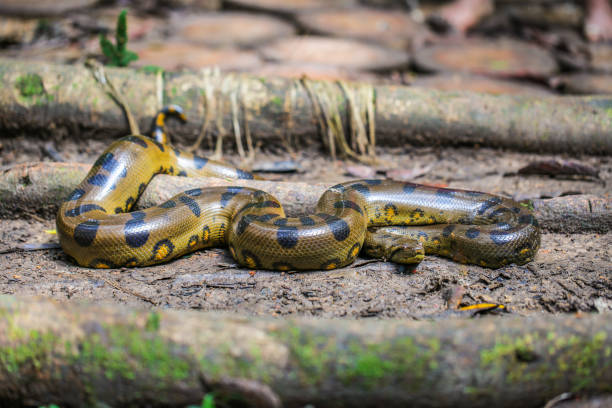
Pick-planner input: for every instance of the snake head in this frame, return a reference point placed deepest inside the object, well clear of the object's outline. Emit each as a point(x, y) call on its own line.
point(393, 247)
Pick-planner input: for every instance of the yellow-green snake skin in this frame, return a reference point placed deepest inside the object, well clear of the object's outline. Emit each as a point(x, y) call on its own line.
point(396, 221)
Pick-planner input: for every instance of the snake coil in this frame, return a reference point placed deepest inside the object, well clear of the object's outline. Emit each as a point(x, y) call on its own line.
point(396, 221)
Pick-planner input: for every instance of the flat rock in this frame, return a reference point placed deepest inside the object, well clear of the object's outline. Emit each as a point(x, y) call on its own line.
point(502, 58)
point(339, 52)
point(289, 7)
point(232, 28)
point(393, 28)
point(41, 8)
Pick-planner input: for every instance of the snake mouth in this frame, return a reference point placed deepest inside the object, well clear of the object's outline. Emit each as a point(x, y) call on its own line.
point(407, 254)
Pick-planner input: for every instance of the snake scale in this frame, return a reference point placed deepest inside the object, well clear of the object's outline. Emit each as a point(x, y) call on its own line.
point(392, 220)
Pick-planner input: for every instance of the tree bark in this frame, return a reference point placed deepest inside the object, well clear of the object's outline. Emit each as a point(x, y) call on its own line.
point(71, 102)
point(74, 354)
point(40, 188)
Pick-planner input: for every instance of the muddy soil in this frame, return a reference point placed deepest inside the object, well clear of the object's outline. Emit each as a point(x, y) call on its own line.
point(571, 273)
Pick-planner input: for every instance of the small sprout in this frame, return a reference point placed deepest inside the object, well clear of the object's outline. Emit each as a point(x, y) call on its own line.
point(118, 54)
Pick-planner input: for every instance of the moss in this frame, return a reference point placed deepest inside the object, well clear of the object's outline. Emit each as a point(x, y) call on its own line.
point(30, 85)
point(512, 358)
point(116, 352)
point(33, 348)
point(153, 321)
point(368, 365)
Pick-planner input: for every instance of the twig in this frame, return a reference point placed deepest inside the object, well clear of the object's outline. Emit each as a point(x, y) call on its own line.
point(119, 287)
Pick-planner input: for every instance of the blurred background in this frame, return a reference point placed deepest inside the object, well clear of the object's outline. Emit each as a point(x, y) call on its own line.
point(505, 46)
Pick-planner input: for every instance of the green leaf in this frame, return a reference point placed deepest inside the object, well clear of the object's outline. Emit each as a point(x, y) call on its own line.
point(108, 49)
point(127, 57)
point(208, 401)
point(121, 34)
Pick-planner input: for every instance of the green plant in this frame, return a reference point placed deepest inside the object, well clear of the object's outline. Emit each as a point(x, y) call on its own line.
point(118, 55)
point(207, 402)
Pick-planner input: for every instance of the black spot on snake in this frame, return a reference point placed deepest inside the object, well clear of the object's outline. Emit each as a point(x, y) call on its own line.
point(136, 140)
point(199, 162)
point(443, 192)
point(373, 182)
point(491, 202)
point(338, 226)
point(243, 223)
point(195, 192)
point(268, 204)
point(193, 241)
point(85, 232)
point(168, 204)
point(265, 217)
point(472, 233)
point(361, 188)
point(243, 175)
point(205, 234)
point(191, 203)
point(390, 210)
point(177, 152)
point(281, 222)
point(516, 210)
point(331, 264)
point(354, 251)
point(448, 230)
point(348, 204)
point(229, 194)
point(107, 161)
point(159, 145)
point(250, 259)
point(500, 211)
point(138, 215)
point(74, 212)
point(182, 173)
point(141, 188)
point(287, 237)
point(246, 220)
point(338, 187)
point(473, 193)
point(409, 188)
point(307, 221)
point(76, 194)
point(98, 180)
point(118, 210)
point(136, 232)
point(163, 249)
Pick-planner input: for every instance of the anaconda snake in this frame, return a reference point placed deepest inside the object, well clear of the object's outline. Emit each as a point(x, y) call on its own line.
point(392, 220)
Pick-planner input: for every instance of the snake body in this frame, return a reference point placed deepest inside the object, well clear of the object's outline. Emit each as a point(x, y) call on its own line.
point(386, 219)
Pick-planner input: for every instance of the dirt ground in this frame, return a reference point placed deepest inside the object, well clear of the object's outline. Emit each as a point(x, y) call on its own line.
point(571, 273)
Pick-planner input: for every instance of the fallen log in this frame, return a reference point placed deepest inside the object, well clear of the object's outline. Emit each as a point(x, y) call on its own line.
point(60, 100)
point(40, 187)
point(74, 354)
